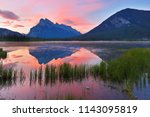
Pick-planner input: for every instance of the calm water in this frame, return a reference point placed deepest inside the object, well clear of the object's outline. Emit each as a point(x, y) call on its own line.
point(87, 88)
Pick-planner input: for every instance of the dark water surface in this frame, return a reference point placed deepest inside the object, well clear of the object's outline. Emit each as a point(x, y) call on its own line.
point(88, 88)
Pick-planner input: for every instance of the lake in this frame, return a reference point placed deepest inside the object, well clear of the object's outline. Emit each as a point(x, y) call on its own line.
point(90, 87)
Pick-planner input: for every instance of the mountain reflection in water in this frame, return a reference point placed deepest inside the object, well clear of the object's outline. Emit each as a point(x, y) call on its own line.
point(22, 59)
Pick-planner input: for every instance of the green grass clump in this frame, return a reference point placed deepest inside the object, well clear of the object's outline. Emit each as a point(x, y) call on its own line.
point(130, 66)
point(7, 76)
point(65, 71)
point(70, 72)
point(131, 69)
point(103, 69)
point(3, 54)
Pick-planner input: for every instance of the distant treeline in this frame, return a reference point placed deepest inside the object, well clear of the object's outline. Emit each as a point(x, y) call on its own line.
point(14, 38)
point(79, 38)
point(26, 38)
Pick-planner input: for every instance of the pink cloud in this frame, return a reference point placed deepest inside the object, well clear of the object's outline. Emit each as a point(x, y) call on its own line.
point(59, 11)
point(7, 23)
point(8, 15)
point(71, 12)
point(77, 13)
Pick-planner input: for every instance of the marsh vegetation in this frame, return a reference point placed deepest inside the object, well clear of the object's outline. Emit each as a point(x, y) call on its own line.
point(8, 76)
point(130, 70)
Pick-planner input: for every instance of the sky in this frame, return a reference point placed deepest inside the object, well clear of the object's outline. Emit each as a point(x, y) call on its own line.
point(83, 15)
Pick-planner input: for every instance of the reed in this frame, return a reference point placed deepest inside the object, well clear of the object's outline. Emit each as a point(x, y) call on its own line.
point(35, 75)
point(22, 76)
point(51, 74)
point(65, 71)
point(31, 77)
point(7, 76)
point(47, 75)
point(15, 77)
point(40, 75)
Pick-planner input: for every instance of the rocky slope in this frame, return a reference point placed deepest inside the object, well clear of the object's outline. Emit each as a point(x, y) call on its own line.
point(127, 24)
point(46, 29)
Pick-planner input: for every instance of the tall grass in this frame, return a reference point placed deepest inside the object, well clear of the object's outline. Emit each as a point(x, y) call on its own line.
point(40, 75)
point(7, 76)
point(65, 73)
point(131, 69)
point(51, 74)
point(69, 73)
point(22, 76)
point(130, 66)
point(33, 76)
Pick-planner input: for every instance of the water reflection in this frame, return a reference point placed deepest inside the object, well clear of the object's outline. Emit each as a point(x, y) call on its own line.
point(32, 86)
point(56, 80)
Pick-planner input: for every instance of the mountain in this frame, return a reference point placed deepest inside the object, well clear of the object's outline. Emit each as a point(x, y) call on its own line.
point(127, 24)
point(8, 35)
point(46, 29)
point(5, 32)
